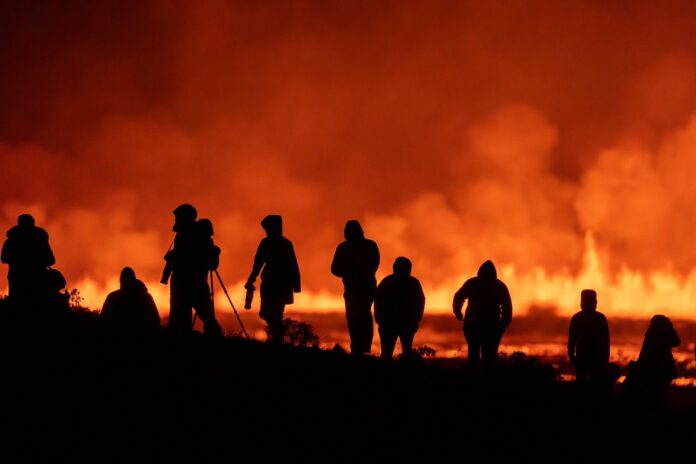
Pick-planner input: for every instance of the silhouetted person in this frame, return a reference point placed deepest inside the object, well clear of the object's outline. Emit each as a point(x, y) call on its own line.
point(56, 304)
point(29, 256)
point(356, 261)
point(280, 277)
point(131, 310)
point(649, 378)
point(488, 314)
point(588, 339)
point(399, 305)
point(192, 257)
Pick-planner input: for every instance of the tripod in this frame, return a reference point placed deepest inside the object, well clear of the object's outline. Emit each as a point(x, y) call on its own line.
point(212, 300)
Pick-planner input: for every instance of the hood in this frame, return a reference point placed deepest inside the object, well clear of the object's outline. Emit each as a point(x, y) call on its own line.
point(487, 271)
point(127, 277)
point(402, 266)
point(353, 231)
point(205, 227)
point(273, 225)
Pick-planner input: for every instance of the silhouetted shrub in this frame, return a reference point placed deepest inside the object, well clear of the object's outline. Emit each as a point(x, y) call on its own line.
point(299, 334)
point(424, 351)
point(528, 366)
point(76, 301)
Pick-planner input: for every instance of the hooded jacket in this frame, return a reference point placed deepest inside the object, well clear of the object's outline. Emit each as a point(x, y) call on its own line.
point(276, 261)
point(399, 301)
point(489, 305)
point(356, 260)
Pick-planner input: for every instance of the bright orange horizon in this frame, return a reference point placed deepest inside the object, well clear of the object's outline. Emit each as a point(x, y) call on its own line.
point(558, 140)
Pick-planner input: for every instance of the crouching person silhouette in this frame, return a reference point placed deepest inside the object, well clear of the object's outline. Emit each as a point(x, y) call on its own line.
point(488, 314)
point(399, 305)
point(130, 312)
point(280, 276)
point(649, 378)
point(588, 340)
point(193, 255)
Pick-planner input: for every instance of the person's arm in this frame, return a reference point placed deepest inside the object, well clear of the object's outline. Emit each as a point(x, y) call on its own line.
point(107, 308)
point(6, 252)
point(459, 297)
point(259, 261)
point(675, 340)
point(49, 258)
point(153, 311)
point(606, 346)
point(295, 270)
point(379, 302)
point(420, 300)
point(338, 263)
point(506, 307)
point(374, 258)
point(572, 340)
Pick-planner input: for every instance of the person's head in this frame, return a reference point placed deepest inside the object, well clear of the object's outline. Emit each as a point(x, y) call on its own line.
point(26, 220)
point(402, 266)
point(184, 214)
point(127, 277)
point(206, 227)
point(588, 300)
point(55, 282)
point(487, 271)
point(353, 231)
point(273, 225)
point(660, 324)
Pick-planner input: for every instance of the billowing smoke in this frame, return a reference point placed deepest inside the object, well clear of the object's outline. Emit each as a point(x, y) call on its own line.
point(456, 132)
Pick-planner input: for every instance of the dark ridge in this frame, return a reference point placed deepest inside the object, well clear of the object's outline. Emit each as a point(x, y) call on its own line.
point(76, 392)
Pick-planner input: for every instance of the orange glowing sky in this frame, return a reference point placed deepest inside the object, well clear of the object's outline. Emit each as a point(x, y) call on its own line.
point(557, 138)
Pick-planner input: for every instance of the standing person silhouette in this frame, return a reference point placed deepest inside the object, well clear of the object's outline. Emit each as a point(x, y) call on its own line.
point(488, 314)
point(588, 339)
point(194, 254)
point(28, 255)
point(356, 261)
point(280, 277)
point(399, 305)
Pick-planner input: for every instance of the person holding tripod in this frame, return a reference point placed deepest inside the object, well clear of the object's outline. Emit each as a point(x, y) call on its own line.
point(189, 261)
point(280, 277)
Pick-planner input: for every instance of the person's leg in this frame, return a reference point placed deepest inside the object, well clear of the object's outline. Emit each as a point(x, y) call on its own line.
point(387, 339)
point(474, 344)
point(205, 310)
point(489, 352)
point(360, 324)
point(406, 337)
point(180, 321)
point(272, 312)
point(582, 373)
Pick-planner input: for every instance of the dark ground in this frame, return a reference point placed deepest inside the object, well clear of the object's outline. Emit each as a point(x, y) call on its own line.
point(77, 394)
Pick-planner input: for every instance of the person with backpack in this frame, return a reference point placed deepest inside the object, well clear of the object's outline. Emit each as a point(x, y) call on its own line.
point(191, 258)
point(28, 256)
